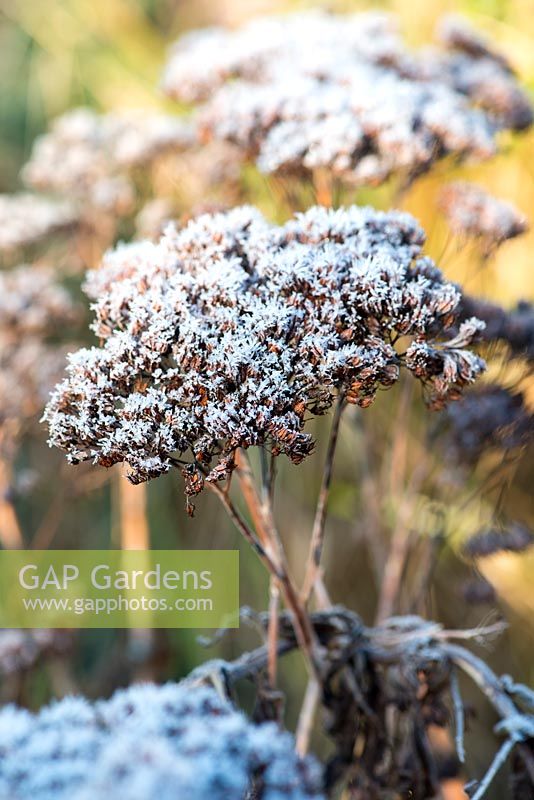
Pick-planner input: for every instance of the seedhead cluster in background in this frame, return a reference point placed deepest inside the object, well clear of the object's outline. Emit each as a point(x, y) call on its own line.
point(317, 91)
point(217, 341)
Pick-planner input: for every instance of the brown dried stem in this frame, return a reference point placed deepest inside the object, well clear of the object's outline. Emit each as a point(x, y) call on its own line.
point(312, 577)
point(277, 568)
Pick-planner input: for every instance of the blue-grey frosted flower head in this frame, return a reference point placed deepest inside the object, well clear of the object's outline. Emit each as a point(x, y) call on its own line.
point(149, 743)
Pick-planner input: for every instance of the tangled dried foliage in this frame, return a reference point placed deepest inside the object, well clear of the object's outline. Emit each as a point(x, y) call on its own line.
point(314, 90)
point(228, 333)
point(26, 219)
point(169, 742)
point(471, 211)
point(387, 692)
point(91, 157)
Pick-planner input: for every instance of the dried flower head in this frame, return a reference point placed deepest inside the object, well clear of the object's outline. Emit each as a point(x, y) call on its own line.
point(33, 303)
point(487, 418)
point(34, 310)
point(482, 73)
point(91, 157)
point(515, 538)
point(230, 332)
point(27, 219)
point(457, 34)
point(171, 742)
point(20, 649)
point(472, 211)
point(513, 327)
point(478, 591)
point(316, 90)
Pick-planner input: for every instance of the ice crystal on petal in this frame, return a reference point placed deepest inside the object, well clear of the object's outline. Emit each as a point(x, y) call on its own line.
point(225, 334)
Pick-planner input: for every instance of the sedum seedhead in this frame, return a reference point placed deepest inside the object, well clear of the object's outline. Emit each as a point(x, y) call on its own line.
point(231, 332)
point(487, 418)
point(27, 219)
point(91, 157)
point(34, 310)
point(343, 93)
point(171, 742)
point(472, 211)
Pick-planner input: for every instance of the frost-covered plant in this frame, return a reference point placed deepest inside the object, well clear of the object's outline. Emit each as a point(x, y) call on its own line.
point(228, 333)
point(171, 742)
point(34, 308)
point(514, 538)
point(26, 219)
point(20, 650)
point(472, 211)
point(315, 91)
point(513, 328)
point(91, 157)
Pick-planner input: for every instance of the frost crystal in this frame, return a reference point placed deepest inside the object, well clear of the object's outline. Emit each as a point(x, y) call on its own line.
point(169, 742)
point(91, 157)
point(315, 90)
point(471, 211)
point(230, 332)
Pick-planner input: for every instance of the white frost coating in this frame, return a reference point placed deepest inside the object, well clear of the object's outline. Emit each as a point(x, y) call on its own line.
point(91, 156)
point(316, 90)
point(231, 331)
point(168, 742)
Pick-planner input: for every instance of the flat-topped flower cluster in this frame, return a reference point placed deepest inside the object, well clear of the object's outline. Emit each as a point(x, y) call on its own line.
point(26, 220)
point(471, 211)
point(34, 310)
point(170, 742)
point(90, 157)
point(342, 92)
point(230, 332)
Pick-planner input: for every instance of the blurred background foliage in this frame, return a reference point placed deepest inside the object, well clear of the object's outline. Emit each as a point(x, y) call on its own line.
point(57, 54)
